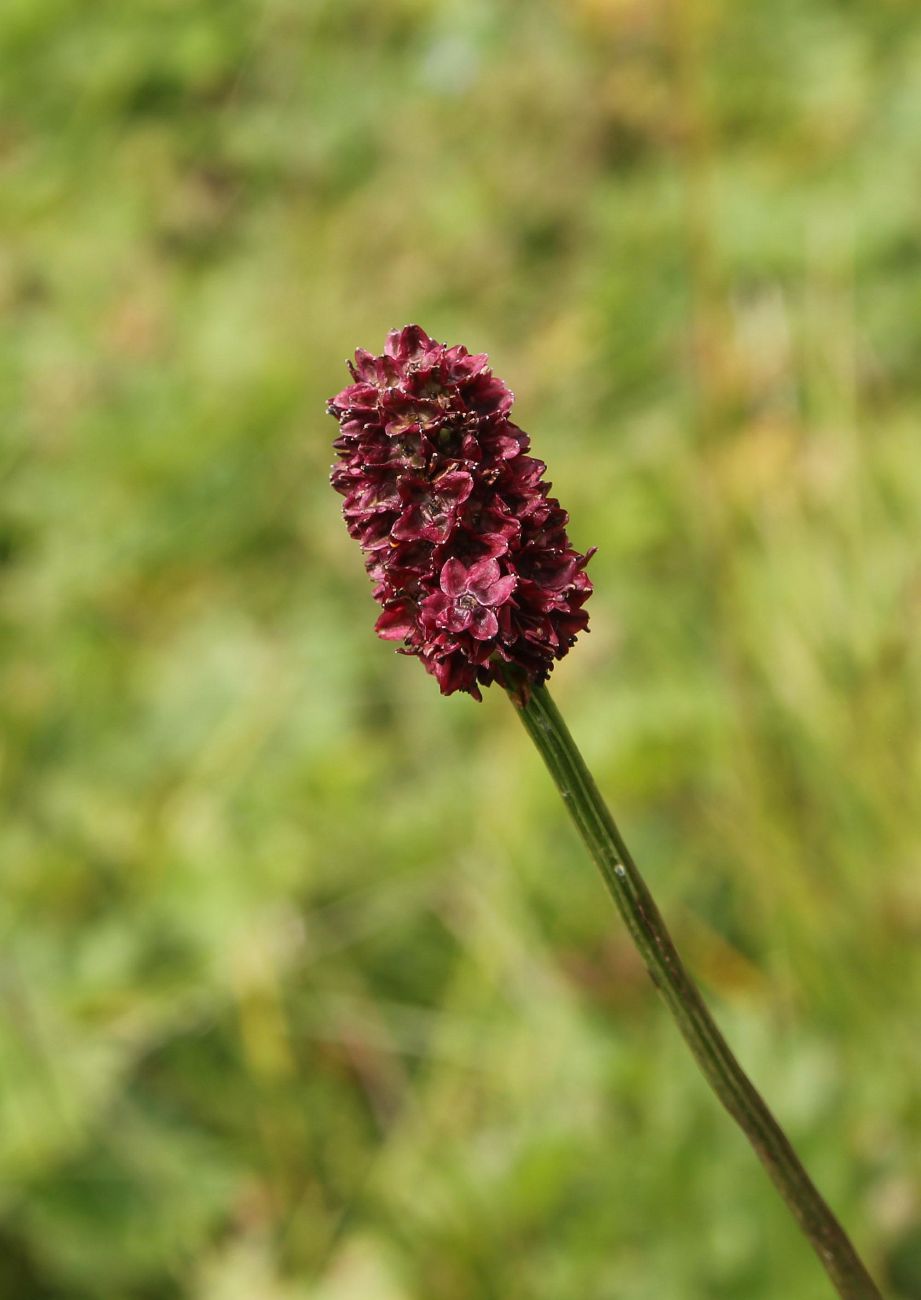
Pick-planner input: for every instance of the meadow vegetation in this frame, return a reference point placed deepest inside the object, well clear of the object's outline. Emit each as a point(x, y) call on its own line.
point(307, 988)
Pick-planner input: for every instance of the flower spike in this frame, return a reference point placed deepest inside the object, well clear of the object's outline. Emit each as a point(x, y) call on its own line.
point(468, 552)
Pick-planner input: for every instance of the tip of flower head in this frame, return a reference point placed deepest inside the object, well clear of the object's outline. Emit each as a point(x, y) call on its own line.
point(467, 550)
point(408, 344)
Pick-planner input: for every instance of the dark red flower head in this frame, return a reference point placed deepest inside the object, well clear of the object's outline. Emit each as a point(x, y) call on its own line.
point(467, 551)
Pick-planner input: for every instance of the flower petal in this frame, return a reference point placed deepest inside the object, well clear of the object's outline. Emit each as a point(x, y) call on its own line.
point(408, 344)
point(416, 523)
point(500, 591)
point(395, 623)
point(484, 623)
point(457, 618)
point(456, 485)
point(480, 577)
point(454, 578)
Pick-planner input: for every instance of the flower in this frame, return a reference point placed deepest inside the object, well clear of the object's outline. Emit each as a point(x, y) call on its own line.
point(467, 551)
point(469, 598)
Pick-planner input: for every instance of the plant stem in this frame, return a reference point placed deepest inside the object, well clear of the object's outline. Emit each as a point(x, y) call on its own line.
point(682, 996)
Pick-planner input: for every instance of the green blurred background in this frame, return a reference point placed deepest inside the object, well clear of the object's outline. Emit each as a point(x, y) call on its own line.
point(306, 987)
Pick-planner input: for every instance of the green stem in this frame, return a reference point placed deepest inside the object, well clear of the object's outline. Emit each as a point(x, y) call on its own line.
point(647, 928)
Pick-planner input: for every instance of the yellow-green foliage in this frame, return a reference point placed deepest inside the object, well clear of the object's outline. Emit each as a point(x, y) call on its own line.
point(306, 987)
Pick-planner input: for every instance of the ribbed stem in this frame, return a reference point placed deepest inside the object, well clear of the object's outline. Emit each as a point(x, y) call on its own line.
point(644, 921)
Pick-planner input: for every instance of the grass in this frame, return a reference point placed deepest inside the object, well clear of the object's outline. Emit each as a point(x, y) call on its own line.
point(306, 988)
